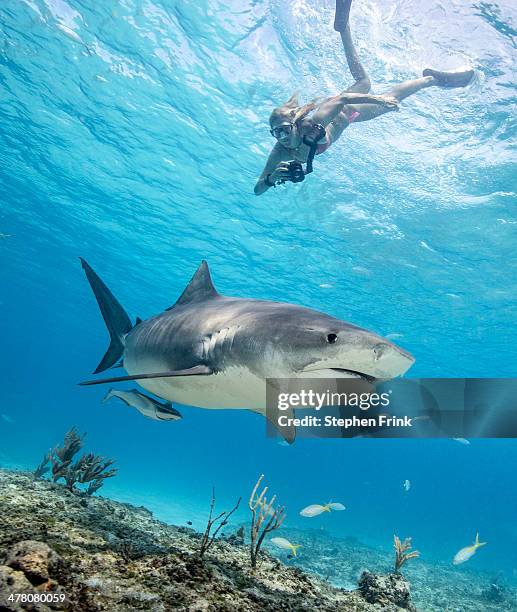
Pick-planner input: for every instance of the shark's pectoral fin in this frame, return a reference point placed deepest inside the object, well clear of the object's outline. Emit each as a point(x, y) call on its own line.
point(199, 370)
point(283, 427)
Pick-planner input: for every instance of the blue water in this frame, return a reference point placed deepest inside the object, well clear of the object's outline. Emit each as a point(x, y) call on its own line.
point(132, 133)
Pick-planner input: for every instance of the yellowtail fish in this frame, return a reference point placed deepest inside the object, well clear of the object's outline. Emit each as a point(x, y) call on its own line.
point(315, 509)
point(407, 485)
point(286, 545)
point(465, 553)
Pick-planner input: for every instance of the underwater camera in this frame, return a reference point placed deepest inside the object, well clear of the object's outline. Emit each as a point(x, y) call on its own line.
point(296, 172)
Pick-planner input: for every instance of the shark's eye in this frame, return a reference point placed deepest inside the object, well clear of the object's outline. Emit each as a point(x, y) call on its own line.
point(331, 338)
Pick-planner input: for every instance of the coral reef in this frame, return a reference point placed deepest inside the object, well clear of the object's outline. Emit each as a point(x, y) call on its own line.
point(403, 552)
point(436, 586)
point(53, 542)
point(208, 537)
point(43, 467)
point(386, 590)
point(238, 537)
point(88, 469)
point(92, 554)
point(265, 517)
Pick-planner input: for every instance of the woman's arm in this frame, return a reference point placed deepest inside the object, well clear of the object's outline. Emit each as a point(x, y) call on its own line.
point(275, 167)
point(330, 108)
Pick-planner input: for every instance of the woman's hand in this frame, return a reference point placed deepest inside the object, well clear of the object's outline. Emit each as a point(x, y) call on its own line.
point(281, 172)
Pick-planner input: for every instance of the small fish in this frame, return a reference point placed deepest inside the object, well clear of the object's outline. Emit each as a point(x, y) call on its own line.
point(407, 485)
point(394, 336)
point(285, 545)
point(149, 407)
point(315, 509)
point(189, 522)
point(465, 553)
point(72, 34)
point(462, 441)
point(2, 236)
point(6, 418)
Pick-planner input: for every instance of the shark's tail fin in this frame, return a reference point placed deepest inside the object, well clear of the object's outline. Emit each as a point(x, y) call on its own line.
point(114, 316)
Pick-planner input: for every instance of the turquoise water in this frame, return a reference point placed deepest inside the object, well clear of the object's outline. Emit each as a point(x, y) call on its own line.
point(132, 134)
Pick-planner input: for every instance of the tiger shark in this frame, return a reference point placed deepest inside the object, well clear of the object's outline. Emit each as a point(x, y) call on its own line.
point(214, 351)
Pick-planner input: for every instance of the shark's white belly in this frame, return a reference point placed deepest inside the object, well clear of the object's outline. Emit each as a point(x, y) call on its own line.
point(235, 387)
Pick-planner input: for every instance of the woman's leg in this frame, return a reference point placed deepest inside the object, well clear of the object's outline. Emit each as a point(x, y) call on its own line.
point(342, 25)
point(365, 112)
point(362, 80)
point(408, 88)
point(399, 92)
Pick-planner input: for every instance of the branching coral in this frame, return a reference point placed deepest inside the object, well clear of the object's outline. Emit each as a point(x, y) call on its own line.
point(90, 468)
point(94, 468)
point(208, 538)
point(43, 467)
point(403, 552)
point(72, 444)
point(265, 517)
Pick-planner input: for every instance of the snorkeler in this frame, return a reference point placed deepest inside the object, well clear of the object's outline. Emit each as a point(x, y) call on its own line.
point(304, 131)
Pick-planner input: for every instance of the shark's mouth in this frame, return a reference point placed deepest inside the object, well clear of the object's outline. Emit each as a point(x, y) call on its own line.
point(355, 373)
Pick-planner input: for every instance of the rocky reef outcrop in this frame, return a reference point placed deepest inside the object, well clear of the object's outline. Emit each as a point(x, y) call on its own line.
point(88, 554)
point(80, 553)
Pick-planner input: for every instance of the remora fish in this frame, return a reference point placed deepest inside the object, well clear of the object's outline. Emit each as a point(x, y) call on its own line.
point(213, 351)
point(147, 406)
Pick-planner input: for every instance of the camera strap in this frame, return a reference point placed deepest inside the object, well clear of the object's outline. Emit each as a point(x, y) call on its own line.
point(316, 133)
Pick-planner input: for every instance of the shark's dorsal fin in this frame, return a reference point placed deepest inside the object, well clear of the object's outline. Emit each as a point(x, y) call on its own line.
point(200, 287)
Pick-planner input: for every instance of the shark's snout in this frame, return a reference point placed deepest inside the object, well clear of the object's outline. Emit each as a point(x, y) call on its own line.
point(390, 361)
point(357, 352)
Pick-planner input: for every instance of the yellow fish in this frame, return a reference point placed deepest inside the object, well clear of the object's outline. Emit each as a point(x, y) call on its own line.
point(315, 509)
point(465, 553)
point(286, 545)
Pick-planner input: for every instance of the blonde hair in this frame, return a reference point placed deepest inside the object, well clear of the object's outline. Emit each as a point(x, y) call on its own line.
point(292, 111)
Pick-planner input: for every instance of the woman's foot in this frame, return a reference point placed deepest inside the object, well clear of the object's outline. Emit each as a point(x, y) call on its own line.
point(450, 79)
point(342, 14)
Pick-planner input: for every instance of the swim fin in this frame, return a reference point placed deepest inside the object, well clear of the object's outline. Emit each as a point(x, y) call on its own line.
point(342, 14)
point(450, 79)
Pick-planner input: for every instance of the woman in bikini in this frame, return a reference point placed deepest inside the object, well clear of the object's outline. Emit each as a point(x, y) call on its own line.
point(304, 131)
